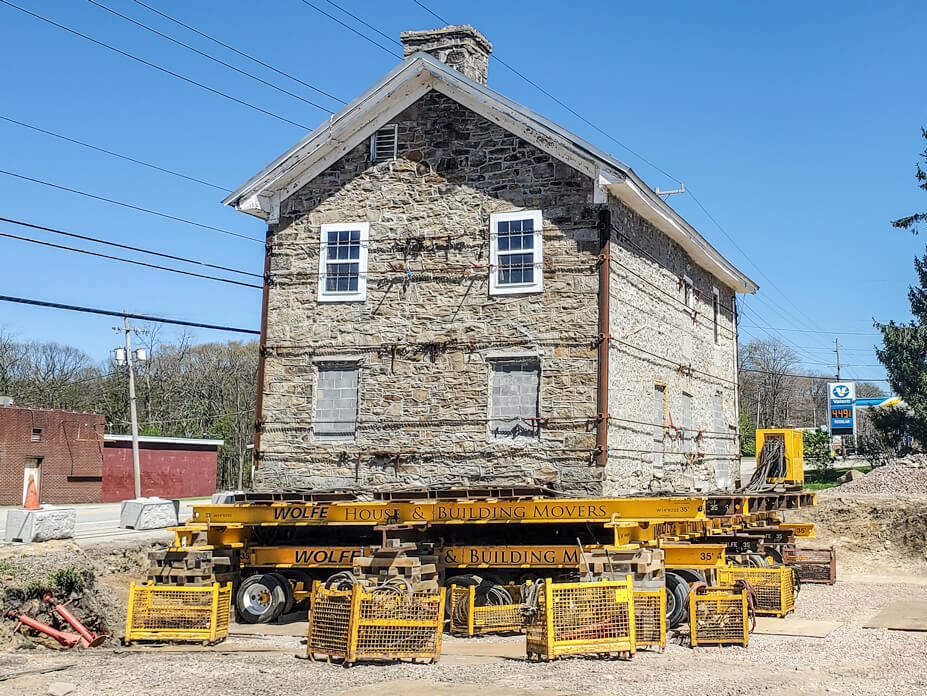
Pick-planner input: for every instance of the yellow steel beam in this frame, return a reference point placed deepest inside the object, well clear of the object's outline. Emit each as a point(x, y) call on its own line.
point(694, 555)
point(461, 512)
point(302, 556)
point(802, 531)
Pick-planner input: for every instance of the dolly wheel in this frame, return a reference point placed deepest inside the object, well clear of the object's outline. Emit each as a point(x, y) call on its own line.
point(677, 595)
point(260, 599)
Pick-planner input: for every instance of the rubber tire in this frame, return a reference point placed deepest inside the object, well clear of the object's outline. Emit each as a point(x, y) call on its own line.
point(676, 608)
point(288, 591)
point(277, 603)
point(460, 581)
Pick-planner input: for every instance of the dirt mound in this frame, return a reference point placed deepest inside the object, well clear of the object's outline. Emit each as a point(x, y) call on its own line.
point(906, 477)
point(63, 569)
point(870, 532)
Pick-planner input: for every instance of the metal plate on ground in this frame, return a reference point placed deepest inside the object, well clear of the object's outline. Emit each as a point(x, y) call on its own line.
point(414, 687)
point(901, 616)
point(794, 626)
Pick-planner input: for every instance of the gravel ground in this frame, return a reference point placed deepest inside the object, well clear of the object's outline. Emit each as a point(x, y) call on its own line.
point(851, 660)
point(905, 477)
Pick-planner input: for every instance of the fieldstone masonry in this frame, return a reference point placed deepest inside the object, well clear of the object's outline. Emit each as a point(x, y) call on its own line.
point(439, 361)
point(460, 46)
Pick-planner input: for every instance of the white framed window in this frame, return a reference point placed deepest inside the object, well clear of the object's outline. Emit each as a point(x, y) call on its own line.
point(716, 313)
point(343, 262)
point(384, 143)
point(515, 253)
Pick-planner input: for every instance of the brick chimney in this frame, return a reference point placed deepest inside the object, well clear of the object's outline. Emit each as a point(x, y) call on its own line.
point(460, 46)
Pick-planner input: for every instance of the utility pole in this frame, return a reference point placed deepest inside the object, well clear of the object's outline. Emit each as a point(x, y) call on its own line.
point(837, 351)
point(130, 360)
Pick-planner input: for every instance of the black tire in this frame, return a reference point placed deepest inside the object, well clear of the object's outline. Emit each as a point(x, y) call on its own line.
point(260, 599)
point(774, 553)
point(288, 591)
point(677, 595)
point(460, 581)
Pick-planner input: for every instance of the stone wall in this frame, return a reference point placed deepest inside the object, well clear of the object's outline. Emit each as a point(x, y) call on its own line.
point(656, 338)
point(428, 327)
point(426, 334)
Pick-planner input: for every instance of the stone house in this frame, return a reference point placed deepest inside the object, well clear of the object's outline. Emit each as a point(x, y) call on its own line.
point(462, 293)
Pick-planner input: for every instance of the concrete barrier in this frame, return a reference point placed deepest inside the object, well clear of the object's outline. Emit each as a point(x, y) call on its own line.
point(46, 523)
point(148, 513)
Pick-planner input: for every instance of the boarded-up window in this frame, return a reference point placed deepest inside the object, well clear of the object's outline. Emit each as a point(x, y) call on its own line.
point(336, 401)
point(716, 313)
point(685, 421)
point(514, 386)
point(720, 426)
point(659, 421)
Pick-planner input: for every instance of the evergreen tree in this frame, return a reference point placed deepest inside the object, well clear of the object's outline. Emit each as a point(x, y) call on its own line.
point(904, 345)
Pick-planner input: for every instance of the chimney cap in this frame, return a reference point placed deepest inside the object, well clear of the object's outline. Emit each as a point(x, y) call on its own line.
point(411, 40)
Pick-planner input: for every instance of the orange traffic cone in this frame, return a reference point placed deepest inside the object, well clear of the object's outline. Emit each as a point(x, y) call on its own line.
point(32, 495)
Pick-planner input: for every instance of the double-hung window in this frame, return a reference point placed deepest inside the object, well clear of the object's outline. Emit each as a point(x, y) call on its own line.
point(515, 257)
point(343, 262)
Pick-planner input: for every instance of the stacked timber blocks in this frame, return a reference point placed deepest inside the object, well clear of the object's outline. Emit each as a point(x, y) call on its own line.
point(397, 560)
point(193, 566)
point(645, 566)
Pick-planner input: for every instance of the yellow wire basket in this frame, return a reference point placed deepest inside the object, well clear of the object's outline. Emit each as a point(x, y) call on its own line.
point(172, 613)
point(356, 625)
point(650, 619)
point(718, 616)
point(469, 619)
point(774, 587)
point(577, 618)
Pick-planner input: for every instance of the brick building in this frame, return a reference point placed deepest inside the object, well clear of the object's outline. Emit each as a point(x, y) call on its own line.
point(73, 461)
point(63, 450)
point(462, 293)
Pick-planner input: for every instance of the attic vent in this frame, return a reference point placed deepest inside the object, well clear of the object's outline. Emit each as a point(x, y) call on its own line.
point(383, 144)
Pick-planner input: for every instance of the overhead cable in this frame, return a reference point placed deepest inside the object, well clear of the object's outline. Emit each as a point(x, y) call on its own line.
point(241, 53)
point(211, 57)
point(131, 261)
point(129, 205)
point(114, 154)
point(130, 315)
point(129, 247)
point(157, 67)
point(349, 28)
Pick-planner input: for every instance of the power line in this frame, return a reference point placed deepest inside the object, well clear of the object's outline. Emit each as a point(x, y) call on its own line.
point(113, 154)
point(157, 67)
point(130, 315)
point(816, 331)
point(129, 247)
point(129, 205)
point(241, 53)
point(132, 261)
point(210, 57)
point(561, 103)
point(346, 26)
point(369, 26)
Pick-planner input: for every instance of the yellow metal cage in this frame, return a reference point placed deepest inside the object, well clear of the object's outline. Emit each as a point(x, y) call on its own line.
point(469, 619)
point(650, 618)
point(356, 625)
point(171, 613)
point(718, 616)
point(774, 587)
point(582, 618)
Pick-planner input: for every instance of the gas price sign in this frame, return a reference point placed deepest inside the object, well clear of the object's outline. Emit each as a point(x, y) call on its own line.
point(841, 398)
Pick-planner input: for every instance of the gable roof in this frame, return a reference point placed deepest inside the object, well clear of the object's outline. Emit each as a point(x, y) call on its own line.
point(420, 73)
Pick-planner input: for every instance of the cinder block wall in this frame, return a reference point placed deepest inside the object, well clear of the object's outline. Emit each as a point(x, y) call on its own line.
point(70, 446)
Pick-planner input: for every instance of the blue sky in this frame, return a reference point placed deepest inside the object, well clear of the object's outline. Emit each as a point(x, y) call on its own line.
point(795, 124)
